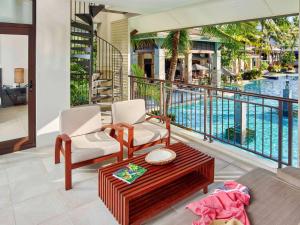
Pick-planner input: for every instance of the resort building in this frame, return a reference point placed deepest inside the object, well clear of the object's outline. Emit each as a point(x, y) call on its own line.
point(95, 130)
point(200, 61)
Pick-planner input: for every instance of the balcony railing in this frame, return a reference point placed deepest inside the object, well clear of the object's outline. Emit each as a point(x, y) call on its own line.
point(263, 125)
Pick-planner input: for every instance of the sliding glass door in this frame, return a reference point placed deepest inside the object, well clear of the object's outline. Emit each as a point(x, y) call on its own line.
point(17, 75)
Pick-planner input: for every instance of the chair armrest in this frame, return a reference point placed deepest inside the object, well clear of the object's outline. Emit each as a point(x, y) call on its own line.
point(166, 119)
point(66, 151)
point(114, 128)
point(163, 118)
point(65, 138)
point(126, 125)
point(111, 126)
point(130, 132)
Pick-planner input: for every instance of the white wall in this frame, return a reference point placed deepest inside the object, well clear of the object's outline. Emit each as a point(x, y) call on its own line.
point(13, 54)
point(104, 20)
point(52, 66)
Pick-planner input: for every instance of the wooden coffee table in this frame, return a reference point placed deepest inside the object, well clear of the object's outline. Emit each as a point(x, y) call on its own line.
point(159, 188)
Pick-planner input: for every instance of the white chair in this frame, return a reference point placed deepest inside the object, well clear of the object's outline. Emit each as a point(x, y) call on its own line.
point(82, 140)
point(138, 133)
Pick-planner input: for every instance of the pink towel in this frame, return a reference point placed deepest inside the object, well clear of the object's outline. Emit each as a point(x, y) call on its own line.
point(224, 203)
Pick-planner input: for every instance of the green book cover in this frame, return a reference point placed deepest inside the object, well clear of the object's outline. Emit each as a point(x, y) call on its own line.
point(129, 173)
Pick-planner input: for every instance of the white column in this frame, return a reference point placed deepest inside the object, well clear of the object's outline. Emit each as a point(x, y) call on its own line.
point(159, 64)
point(240, 120)
point(188, 69)
point(216, 69)
point(134, 58)
point(250, 63)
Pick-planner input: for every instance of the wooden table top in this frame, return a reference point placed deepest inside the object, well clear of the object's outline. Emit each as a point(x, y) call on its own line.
point(187, 160)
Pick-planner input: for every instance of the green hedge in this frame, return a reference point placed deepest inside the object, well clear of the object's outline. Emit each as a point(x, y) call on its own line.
point(251, 74)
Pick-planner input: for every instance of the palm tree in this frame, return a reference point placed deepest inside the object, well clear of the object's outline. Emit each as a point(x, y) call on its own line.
point(234, 38)
point(177, 42)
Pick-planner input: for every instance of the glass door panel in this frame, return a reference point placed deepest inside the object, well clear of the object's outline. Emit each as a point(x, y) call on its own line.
point(14, 61)
point(16, 11)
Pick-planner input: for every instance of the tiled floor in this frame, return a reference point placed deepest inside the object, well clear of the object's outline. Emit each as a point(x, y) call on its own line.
point(32, 192)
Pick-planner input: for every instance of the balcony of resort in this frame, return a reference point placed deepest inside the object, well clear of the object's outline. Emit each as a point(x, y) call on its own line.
point(140, 112)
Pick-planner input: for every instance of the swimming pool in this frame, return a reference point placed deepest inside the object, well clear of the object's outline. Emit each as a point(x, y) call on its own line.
point(272, 87)
point(263, 120)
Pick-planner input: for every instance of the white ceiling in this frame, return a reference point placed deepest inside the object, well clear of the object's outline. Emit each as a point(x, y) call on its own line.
point(174, 14)
point(162, 15)
point(147, 6)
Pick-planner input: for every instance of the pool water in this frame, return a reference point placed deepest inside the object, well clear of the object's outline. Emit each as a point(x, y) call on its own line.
point(272, 87)
point(263, 120)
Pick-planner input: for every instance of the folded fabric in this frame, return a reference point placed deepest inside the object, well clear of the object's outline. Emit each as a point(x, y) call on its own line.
point(226, 222)
point(225, 203)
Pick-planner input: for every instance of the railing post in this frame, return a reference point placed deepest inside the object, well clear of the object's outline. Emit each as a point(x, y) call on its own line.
point(205, 114)
point(131, 88)
point(290, 133)
point(210, 115)
point(162, 99)
point(280, 116)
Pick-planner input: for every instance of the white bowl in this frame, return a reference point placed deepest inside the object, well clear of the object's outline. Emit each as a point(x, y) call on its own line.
point(160, 156)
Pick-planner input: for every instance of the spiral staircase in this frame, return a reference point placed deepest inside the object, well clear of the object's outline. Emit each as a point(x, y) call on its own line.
point(100, 63)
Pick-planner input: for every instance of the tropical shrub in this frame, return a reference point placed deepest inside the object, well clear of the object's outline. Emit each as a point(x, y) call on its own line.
point(170, 115)
point(264, 66)
point(144, 88)
point(79, 92)
point(288, 58)
point(251, 74)
point(79, 85)
point(232, 133)
point(276, 68)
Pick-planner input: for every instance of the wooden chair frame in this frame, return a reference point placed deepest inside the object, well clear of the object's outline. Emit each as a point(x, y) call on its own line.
point(66, 150)
point(130, 142)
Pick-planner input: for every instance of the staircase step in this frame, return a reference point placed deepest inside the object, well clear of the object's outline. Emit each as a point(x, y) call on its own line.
point(108, 113)
point(104, 103)
point(95, 9)
point(85, 17)
point(82, 26)
point(81, 56)
point(81, 49)
point(105, 88)
point(101, 97)
point(82, 42)
point(81, 34)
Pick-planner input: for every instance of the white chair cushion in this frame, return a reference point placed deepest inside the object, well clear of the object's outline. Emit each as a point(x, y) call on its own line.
point(92, 146)
point(80, 120)
point(132, 111)
point(145, 133)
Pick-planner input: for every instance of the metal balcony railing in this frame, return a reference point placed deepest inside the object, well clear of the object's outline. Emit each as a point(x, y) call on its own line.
point(263, 125)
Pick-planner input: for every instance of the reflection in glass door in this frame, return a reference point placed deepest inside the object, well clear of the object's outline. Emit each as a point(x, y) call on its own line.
point(13, 87)
point(17, 75)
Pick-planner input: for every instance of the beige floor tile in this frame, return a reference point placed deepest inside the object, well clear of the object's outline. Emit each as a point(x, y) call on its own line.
point(25, 189)
point(3, 177)
point(5, 200)
point(7, 216)
point(25, 170)
point(94, 213)
point(220, 164)
point(230, 172)
point(82, 193)
point(39, 209)
point(60, 220)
